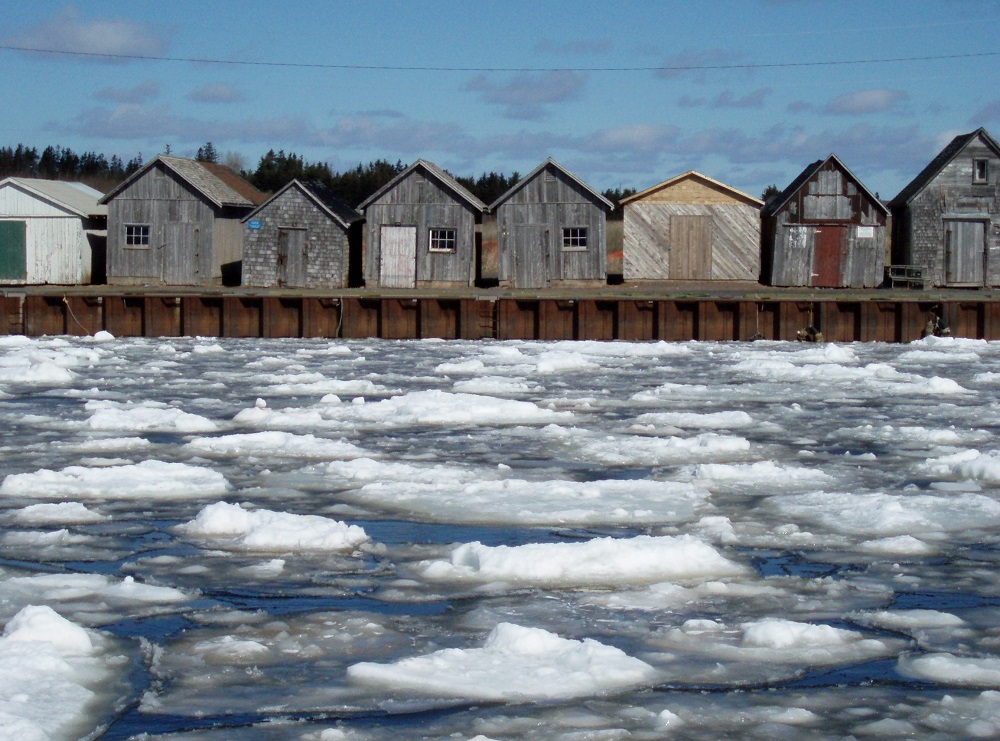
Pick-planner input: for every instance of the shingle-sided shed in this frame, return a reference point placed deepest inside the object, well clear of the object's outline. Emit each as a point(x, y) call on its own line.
point(421, 230)
point(691, 227)
point(947, 220)
point(177, 222)
point(300, 238)
point(825, 229)
point(551, 230)
point(51, 231)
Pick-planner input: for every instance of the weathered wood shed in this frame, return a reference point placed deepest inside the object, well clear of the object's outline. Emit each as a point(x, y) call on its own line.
point(421, 230)
point(691, 227)
point(551, 230)
point(825, 229)
point(177, 222)
point(300, 238)
point(51, 231)
point(947, 220)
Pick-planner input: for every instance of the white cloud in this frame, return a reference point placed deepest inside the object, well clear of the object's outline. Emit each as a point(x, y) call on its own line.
point(526, 95)
point(215, 92)
point(866, 101)
point(69, 32)
point(141, 93)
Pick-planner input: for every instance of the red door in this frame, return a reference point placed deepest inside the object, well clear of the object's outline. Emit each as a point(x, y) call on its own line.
point(828, 257)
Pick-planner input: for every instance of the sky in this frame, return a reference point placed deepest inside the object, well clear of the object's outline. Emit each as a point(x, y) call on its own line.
point(623, 94)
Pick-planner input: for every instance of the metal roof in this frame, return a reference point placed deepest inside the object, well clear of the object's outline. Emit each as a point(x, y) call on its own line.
point(218, 183)
point(78, 198)
point(439, 174)
point(694, 174)
point(547, 163)
point(324, 198)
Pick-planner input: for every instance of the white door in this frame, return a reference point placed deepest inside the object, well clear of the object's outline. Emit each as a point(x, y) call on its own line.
point(398, 257)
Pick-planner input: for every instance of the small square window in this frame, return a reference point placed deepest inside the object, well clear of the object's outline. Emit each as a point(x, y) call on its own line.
point(137, 235)
point(443, 240)
point(574, 238)
point(980, 171)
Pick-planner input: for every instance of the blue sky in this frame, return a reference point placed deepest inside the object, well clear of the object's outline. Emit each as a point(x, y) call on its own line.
point(591, 98)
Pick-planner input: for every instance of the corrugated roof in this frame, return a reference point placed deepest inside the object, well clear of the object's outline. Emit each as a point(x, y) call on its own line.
point(937, 164)
point(218, 183)
point(443, 177)
point(696, 175)
point(779, 200)
point(320, 194)
point(550, 162)
point(76, 197)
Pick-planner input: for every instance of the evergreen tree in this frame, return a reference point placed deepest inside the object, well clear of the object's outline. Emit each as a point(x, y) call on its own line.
point(207, 153)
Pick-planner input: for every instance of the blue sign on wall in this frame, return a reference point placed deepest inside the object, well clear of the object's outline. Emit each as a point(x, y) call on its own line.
point(254, 223)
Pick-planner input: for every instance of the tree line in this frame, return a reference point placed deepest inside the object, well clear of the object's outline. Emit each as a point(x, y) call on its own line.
point(274, 170)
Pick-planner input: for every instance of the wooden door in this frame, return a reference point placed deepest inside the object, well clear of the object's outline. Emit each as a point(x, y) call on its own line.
point(398, 257)
point(828, 256)
point(13, 250)
point(181, 254)
point(531, 256)
point(690, 247)
point(291, 268)
point(965, 252)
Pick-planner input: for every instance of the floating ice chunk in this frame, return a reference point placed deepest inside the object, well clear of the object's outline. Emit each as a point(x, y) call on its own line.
point(463, 367)
point(515, 664)
point(634, 450)
point(967, 464)
point(948, 669)
point(785, 634)
point(900, 545)
point(147, 416)
point(146, 479)
point(496, 386)
point(274, 444)
point(554, 361)
point(51, 671)
point(761, 472)
point(690, 420)
point(62, 513)
point(907, 621)
point(230, 650)
point(598, 562)
point(102, 336)
point(232, 526)
point(87, 591)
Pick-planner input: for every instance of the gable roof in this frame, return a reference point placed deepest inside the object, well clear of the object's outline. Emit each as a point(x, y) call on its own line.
point(937, 164)
point(322, 196)
point(218, 183)
point(431, 169)
point(550, 163)
point(694, 175)
point(782, 198)
point(77, 198)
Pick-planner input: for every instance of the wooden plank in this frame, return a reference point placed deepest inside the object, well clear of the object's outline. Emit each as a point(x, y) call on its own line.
point(518, 319)
point(399, 319)
point(162, 316)
point(597, 320)
point(637, 320)
point(321, 317)
point(282, 317)
point(124, 316)
point(398, 257)
point(440, 318)
point(557, 319)
point(361, 317)
point(678, 320)
point(242, 317)
point(201, 316)
point(11, 317)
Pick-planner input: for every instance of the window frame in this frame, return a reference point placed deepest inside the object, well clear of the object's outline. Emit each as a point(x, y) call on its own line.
point(137, 236)
point(977, 163)
point(575, 238)
point(442, 234)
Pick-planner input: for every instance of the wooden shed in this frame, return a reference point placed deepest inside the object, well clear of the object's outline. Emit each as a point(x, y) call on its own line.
point(300, 237)
point(947, 220)
point(551, 230)
point(691, 227)
point(825, 230)
point(51, 231)
point(177, 222)
point(421, 230)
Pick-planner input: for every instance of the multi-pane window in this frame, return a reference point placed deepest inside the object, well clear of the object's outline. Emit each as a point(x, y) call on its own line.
point(574, 238)
point(979, 171)
point(443, 240)
point(137, 235)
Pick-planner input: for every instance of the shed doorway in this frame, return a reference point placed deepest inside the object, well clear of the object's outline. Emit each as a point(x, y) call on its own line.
point(398, 257)
point(965, 252)
point(291, 257)
point(690, 247)
point(13, 251)
point(531, 256)
point(828, 256)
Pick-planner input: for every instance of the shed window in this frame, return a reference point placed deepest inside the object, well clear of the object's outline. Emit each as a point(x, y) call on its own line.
point(443, 240)
point(980, 171)
point(137, 235)
point(574, 238)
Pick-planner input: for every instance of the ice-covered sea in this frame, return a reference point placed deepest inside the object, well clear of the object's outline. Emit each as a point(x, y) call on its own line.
point(309, 539)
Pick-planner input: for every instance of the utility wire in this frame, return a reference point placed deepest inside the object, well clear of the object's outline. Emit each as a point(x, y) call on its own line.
point(407, 68)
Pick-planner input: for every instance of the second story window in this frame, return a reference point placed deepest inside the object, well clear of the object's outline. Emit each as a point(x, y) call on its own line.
point(980, 171)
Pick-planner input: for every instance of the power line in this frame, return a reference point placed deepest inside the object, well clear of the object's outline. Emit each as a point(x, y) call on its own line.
point(416, 68)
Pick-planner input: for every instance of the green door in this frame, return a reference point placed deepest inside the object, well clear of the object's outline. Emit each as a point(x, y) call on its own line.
point(13, 256)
